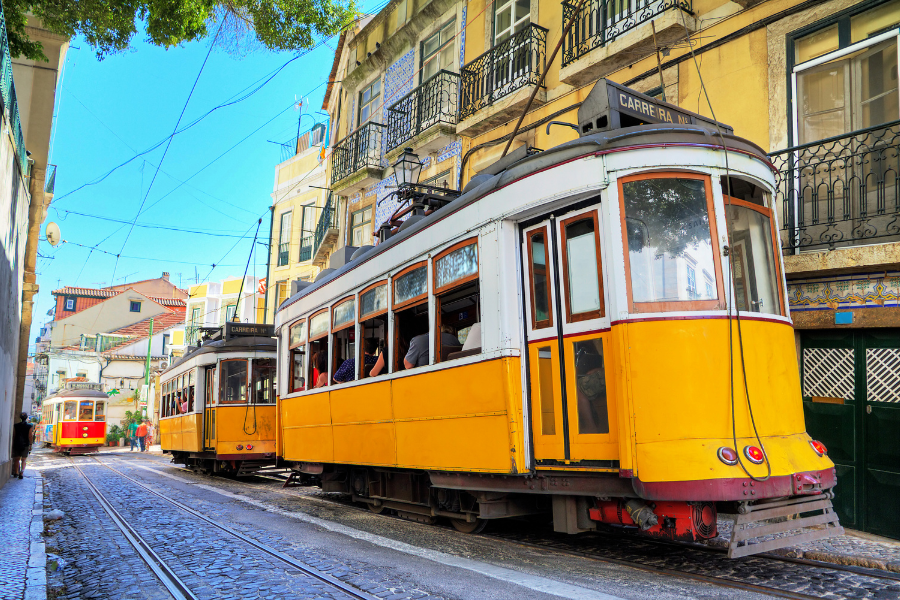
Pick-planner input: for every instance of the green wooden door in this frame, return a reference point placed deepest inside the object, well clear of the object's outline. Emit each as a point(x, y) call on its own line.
point(851, 398)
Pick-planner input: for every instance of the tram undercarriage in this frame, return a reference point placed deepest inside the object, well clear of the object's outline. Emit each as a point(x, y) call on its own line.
point(209, 463)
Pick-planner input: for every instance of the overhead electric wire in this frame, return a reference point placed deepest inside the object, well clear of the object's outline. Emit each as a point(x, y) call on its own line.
point(210, 232)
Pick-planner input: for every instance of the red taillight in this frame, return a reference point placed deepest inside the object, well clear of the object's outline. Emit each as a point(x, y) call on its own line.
point(727, 455)
point(819, 447)
point(249, 446)
point(240, 447)
point(754, 454)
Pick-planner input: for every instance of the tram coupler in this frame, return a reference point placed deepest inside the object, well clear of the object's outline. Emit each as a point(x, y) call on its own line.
point(682, 521)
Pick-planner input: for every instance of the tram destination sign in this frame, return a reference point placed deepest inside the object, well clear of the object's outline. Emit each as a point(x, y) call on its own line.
point(235, 329)
point(612, 106)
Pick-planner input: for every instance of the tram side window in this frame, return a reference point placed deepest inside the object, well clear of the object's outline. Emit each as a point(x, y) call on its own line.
point(264, 381)
point(583, 284)
point(343, 363)
point(190, 391)
point(318, 349)
point(373, 330)
point(669, 236)
point(411, 322)
point(298, 356)
point(100, 412)
point(210, 386)
point(541, 311)
point(233, 382)
point(86, 410)
point(590, 383)
point(458, 302)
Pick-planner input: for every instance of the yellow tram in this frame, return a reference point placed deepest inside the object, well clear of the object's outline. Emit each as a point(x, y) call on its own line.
point(73, 420)
point(217, 408)
point(599, 331)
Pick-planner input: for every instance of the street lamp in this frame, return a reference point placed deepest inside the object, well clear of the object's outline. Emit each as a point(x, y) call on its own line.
point(407, 168)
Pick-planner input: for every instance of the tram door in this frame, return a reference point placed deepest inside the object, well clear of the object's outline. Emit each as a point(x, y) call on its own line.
point(209, 410)
point(573, 412)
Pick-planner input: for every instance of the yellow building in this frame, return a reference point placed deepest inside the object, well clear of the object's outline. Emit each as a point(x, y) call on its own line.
point(814, 83)
point(213, 303)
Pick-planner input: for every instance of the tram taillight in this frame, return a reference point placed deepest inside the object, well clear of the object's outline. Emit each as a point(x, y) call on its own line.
point(240, 446)
point(754, 454)
point(249, 446)
point(819, 447)
point(727, 456)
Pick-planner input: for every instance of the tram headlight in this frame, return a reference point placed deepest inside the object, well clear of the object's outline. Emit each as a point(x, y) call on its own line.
point(240, 446)
point(819, 447)
point(727, 456)
point(754, 454)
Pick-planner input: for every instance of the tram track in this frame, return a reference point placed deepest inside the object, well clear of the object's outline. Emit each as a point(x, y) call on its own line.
point(166, 574)
point(848, 580)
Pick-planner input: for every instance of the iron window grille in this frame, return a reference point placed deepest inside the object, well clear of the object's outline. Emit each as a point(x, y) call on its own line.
point(433, 102)
point(510, 65)
point(599, 22)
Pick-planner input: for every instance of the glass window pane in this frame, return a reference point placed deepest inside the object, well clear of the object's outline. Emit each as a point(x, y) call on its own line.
point(69, 408)
point(264, 381)
point(878, 89)
point(816, 44)
point(233, 383)
point(100, 412)
point(582, 260)
point(755, 279)
point(414, 283)
point(668, 229)
point(460, 263)
point(298, 362)
point(590, 384)
point(431, 45)
point(871, 22)
point(374, 300)
point(318, 324)
point(547, 390)
point(298, 333)
point(86, 410)
point(523, 7)
point(344, 313)
point(540, 287)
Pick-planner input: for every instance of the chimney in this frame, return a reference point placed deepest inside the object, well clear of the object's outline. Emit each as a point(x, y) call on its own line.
point(165, 275)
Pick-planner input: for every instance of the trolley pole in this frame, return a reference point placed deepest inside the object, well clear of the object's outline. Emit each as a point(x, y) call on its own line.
point(147, 368)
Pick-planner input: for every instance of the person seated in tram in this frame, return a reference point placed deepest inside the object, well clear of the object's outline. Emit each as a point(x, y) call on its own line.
point(176, 402)
point(184, 405)
point(379, 362)
point(417, 356)
point(347, 370)
point(321, 369)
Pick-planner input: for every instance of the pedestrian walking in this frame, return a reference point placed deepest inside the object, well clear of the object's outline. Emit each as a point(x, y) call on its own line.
point(23, 438)
point(142, 435)
point(151, 434)
point(132, 435)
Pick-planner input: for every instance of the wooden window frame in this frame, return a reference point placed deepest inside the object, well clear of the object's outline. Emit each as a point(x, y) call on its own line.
point(325, 333)
point(350, 323)
point(594, 314)
point(458, 282)
point(412, 301)
point(296, 323)
point(398, 360)
point(674, 305)
point(776, 250)
point(548, 258)
point(359, 315)
point(221, 372)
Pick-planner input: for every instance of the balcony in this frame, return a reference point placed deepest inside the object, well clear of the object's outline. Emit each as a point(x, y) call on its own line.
point(326, 234)
point(496, 85)
point(425, 116)
point(839, 192)
point(284, 253)
point(607, 34)
point(358, 159)
point(306, 245)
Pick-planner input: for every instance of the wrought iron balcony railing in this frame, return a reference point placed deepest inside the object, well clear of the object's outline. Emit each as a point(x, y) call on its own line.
point(433, 102)
point(599, 22)
point(306, 245)
point(510, 65)
point(8, 95)
point(327, 220)
point(362, 148)
point(284, 253)
point(841, 191)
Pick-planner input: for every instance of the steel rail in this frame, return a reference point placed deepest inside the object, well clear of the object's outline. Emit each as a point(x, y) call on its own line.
point(173, 584)
point(306, 569)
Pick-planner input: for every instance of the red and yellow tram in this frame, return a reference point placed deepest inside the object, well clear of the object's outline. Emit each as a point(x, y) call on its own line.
point(73, 420)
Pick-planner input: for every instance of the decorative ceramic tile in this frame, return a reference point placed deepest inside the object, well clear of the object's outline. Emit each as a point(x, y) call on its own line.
point(356, 198)
point(398, 79)
point(846, 291)
point(449, 151)
point(385, 206)
point(462, 39)
point(426, 162)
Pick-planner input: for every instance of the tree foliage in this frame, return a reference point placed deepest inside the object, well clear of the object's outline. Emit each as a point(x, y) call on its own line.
point(109, 25)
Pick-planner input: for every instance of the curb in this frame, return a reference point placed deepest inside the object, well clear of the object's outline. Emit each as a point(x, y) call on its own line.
point(36, 575)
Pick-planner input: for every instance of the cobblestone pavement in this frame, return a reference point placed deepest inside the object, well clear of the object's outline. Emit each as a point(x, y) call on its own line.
point(16, 501)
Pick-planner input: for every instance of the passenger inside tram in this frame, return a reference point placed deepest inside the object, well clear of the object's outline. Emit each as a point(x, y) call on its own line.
point(374, 332)
point(411, 325)
point(318, 364)
point(347, 370)
point(459, 310)
point(69, 411)
point(321, 369)
point(344, 348)
point(86, 410)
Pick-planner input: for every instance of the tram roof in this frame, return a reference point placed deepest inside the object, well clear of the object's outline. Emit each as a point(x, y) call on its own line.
point(518, 164)
point(78, 393)
point(249, 343)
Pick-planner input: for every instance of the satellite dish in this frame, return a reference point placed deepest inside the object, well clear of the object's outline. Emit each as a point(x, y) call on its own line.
point(52, 233)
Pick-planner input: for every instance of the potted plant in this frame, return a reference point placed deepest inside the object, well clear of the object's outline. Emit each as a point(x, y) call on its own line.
point(113, 435)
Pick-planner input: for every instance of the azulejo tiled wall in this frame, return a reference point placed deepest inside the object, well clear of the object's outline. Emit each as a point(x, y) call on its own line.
point(398, 80)
point(845, 291)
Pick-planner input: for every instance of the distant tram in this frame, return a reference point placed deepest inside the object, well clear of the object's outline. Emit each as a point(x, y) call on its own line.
point(73, 420)
point(217, 408)
point(598, 331)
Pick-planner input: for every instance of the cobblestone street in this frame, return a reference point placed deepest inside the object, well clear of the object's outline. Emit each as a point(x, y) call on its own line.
point(373, 556)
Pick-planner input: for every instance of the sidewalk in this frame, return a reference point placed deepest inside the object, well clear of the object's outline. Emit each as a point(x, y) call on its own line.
point(23, 570)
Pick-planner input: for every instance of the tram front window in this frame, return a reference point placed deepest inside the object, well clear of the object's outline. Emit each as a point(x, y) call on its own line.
point(264, 381)
point(669, 239)
point(86, 410)
point(233, 382)
point(100, 413)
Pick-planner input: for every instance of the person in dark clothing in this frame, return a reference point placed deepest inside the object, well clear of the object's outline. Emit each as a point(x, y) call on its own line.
point(23, 438)
point(417, 355)
point(347, 370)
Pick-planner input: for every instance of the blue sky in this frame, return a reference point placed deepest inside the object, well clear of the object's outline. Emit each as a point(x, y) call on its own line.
point(109, 110)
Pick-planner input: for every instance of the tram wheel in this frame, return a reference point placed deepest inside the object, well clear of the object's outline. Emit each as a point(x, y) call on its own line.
point(376, 509)
point(466, 527)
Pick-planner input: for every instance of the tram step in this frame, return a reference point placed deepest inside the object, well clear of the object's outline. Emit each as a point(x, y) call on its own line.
point(756, 523)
